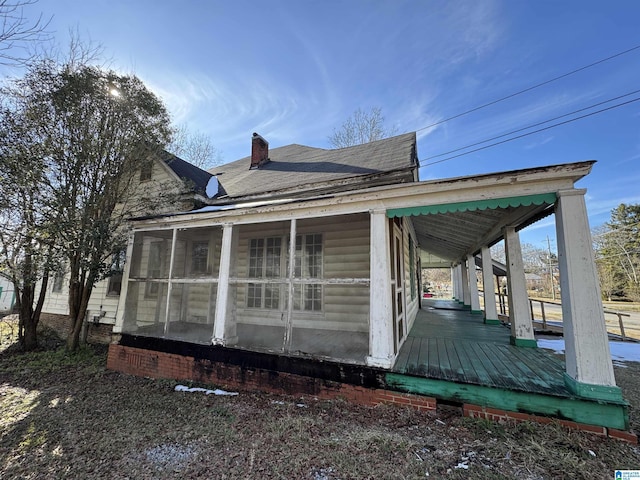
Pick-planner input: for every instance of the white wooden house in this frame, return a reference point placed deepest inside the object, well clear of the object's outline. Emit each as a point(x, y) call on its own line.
point(180, 185)
point(7, 294)
point(306, 265)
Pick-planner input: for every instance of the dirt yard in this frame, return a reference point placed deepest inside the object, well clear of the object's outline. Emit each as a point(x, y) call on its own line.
point(67, 417)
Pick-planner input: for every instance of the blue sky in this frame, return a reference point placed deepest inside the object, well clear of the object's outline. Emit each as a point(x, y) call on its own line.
point(294, 70)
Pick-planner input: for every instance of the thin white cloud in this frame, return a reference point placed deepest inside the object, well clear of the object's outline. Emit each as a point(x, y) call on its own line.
point(539, 143)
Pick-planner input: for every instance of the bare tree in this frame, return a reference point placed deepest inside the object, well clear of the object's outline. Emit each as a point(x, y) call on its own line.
point(17, 33)
point(194, 147)
point(361, 127)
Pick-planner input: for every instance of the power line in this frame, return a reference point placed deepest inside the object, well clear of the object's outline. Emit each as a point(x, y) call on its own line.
point(532, 125)
point(531, 133)
point(529, 88)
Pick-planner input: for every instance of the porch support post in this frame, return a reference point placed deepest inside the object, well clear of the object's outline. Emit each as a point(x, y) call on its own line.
point(459, 289)
point(452, 271)
point(473, 285)
point(292, 268)
point(381, 348)
point(589, 370)
point(124, 287)
point(490, 311)
point(519, 312)
point(222, 297)
point(466, 294)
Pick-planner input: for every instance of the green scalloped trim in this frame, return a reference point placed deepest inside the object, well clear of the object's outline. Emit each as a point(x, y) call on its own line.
point(526, 200)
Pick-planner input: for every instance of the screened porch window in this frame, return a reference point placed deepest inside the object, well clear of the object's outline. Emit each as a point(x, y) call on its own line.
point(308, 264)
point(154, 268)
point(200, 258)
point(265, 260)
point(268, 260)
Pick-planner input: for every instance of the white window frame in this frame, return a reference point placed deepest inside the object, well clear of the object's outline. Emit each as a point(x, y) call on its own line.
point(272, 295)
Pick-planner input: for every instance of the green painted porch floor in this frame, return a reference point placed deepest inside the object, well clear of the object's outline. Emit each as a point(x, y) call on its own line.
point(451, 354)
point(449, 343)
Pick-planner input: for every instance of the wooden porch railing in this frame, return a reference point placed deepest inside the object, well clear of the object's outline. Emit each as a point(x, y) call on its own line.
point(607, 312)
point(503, 309)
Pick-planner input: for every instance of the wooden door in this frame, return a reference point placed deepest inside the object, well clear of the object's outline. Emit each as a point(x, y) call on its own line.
point(398, 287)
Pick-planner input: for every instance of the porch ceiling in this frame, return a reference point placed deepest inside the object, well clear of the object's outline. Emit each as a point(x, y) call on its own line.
point(453, 235)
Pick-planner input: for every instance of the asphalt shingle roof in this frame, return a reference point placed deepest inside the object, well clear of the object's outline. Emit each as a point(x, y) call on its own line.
point(294, 166)
point(187, 171)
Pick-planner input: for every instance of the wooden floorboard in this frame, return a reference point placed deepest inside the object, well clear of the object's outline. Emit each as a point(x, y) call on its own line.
point(449, 343)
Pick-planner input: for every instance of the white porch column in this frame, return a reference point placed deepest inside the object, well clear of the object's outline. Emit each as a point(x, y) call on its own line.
point(589, 371)
point(490, 311)
point(460, 294)
point(473, 285)
point(124, 288)
point(454, 287)
point(381, 346)
point(519, 312)
point(464, 275)
point(222, 297)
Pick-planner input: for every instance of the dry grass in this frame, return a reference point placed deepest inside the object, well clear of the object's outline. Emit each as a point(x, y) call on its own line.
point(67, 417)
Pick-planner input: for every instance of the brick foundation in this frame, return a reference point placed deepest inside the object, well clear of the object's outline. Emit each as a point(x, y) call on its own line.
point(497, 415)
point(147, 363)
point(235, 376)
point(61, 324)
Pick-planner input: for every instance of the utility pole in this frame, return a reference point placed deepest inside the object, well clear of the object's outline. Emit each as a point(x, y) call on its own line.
point(553, 288)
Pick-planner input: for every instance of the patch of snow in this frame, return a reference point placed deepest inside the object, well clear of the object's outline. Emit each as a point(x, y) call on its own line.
point(183, 388)
point(463, 465)
point(322, 473)
point(173, 456)
point(212, 187)
point(620, 351)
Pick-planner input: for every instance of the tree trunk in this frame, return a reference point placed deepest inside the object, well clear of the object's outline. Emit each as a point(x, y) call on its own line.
point(30, 339)
point(79, 295)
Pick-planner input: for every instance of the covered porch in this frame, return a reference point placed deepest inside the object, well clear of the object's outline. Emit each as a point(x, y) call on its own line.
point(333, 282)
point(452, 355)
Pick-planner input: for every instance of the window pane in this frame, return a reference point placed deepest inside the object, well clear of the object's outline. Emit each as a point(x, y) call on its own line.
point(272, 296)
point(256, 258)
point(274, 246)
point(313, 298)
point(200, 257)
point(254, 295)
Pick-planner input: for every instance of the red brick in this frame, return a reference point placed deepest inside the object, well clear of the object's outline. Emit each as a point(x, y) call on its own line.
point(469, 409)
point(595, 429)
point(494, 411)
point(629, 437)
point(569, 424)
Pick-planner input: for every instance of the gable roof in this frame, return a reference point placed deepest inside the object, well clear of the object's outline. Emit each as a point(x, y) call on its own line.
point(300, 168)
point(198, 177)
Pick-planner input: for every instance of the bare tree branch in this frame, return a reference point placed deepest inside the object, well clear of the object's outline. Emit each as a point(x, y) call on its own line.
point(361, 127)
point(17, 33)
point(194, 147)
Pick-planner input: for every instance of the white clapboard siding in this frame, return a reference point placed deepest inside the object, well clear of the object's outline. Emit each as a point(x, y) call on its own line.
point(57, 303)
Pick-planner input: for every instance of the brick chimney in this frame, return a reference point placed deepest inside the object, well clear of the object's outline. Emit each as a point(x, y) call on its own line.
point(259, 151)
